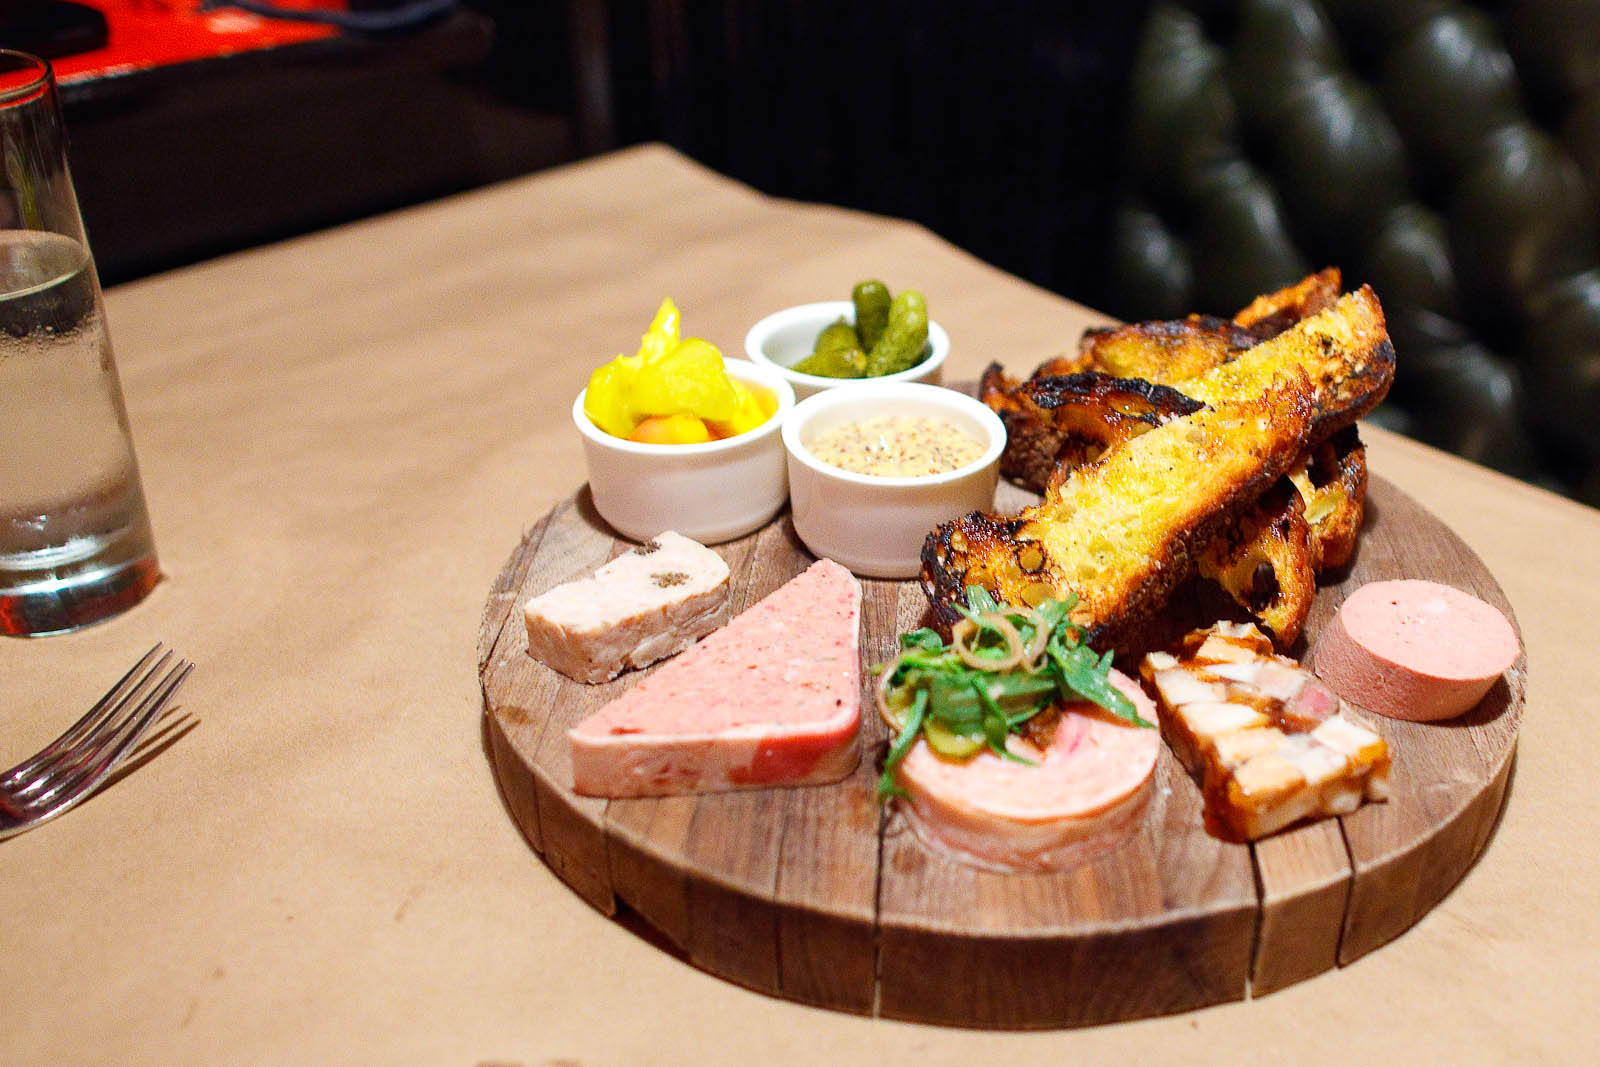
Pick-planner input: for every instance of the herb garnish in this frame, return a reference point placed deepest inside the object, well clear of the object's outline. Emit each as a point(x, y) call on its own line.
point(1003, 666)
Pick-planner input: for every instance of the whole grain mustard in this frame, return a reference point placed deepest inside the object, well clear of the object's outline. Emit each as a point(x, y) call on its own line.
point(896, 446)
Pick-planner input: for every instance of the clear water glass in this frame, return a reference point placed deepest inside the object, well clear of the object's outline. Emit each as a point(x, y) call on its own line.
point(75, 541)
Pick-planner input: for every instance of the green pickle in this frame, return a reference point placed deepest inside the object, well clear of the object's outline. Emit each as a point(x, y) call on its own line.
point(904, 340)
point(889, 335)
point(839, 354)
point(948, 743)
point(871, 300)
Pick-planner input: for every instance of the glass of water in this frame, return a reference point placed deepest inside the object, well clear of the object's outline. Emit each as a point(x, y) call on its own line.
point(75, 544)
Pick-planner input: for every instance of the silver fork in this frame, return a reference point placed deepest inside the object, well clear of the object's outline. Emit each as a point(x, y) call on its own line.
point(78, 762)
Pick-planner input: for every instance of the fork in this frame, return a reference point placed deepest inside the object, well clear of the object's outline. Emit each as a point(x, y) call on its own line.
point(78, 762)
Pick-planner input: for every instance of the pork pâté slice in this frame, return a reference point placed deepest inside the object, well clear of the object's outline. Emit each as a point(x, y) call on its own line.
point(647, 604)
point(1269, 743)
point(771, 699)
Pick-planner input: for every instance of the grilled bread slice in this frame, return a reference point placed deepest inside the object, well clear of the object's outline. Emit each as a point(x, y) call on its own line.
point(1263, 561)
point(1332, 482)
point(1168, 351)
point(1268, 560)
point(1124, 530)
point(1272, 313)
point(1055, 423)
point(1345, 350)
point(1121, 532)
point(1126, 379)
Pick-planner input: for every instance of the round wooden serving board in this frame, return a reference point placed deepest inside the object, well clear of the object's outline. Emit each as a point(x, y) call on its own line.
point(815, 895)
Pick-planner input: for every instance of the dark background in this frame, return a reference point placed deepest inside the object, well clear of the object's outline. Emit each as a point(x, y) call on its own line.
point(972, 122)
point(1147, 159)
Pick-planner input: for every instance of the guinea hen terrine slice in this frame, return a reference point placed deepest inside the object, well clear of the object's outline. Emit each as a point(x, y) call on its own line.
point(645, 605)
point(771, 699)
point(1084, 794)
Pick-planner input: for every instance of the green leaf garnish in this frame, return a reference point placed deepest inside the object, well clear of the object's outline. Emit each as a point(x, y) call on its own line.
point(997, 724)
point(979, 600)
point(902, 745)
point(924, 638)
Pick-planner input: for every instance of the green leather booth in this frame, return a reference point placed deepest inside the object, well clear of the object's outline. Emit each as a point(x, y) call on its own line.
point(1446, 153)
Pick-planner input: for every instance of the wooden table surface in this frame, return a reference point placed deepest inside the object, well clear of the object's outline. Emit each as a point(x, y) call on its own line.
point(343, 438)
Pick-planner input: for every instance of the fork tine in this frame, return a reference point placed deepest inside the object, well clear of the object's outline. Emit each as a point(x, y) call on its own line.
point(52, 777)
point(90, 741)
point(113, 746)
point(102, 709)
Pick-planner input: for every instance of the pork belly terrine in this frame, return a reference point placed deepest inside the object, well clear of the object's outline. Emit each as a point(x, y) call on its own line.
point(647, 604)
point(771, 699)
point(1268, 742)
point(1081, 795)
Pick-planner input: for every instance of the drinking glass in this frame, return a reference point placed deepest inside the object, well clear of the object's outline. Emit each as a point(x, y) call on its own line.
point(75, 543)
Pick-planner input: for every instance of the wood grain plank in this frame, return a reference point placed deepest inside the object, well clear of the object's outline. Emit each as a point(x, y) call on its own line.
point(1115, 938)
point(1304, 877)
point(1303, 874)
point(525, 690)
point(735, 838)
point(503, 594)
point(574, 544)
point(1085, 946)
point(516, 785)
point(828, 879)
point(1448, 778)
point(648, 837)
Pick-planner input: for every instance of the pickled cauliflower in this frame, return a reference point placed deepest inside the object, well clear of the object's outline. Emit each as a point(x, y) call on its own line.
point(673, 391)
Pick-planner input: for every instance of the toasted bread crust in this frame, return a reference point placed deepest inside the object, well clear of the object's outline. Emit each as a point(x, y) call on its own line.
point(1272, 313)
point(1263, 561)
point(1123, 530)
point(1166, 351)
point(1333, 484)
point(1058, 422)
point(1268, 561)
point(1345, 350)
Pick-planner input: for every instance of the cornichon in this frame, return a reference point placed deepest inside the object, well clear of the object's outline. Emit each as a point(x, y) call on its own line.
point(904, 339)
point(947, 742)
point(889, 335)
point(871, 300)
point(838, 354)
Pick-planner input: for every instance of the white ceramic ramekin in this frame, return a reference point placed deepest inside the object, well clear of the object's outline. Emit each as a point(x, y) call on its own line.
point(785, 337)
point(711, 492)
point(876, 526)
